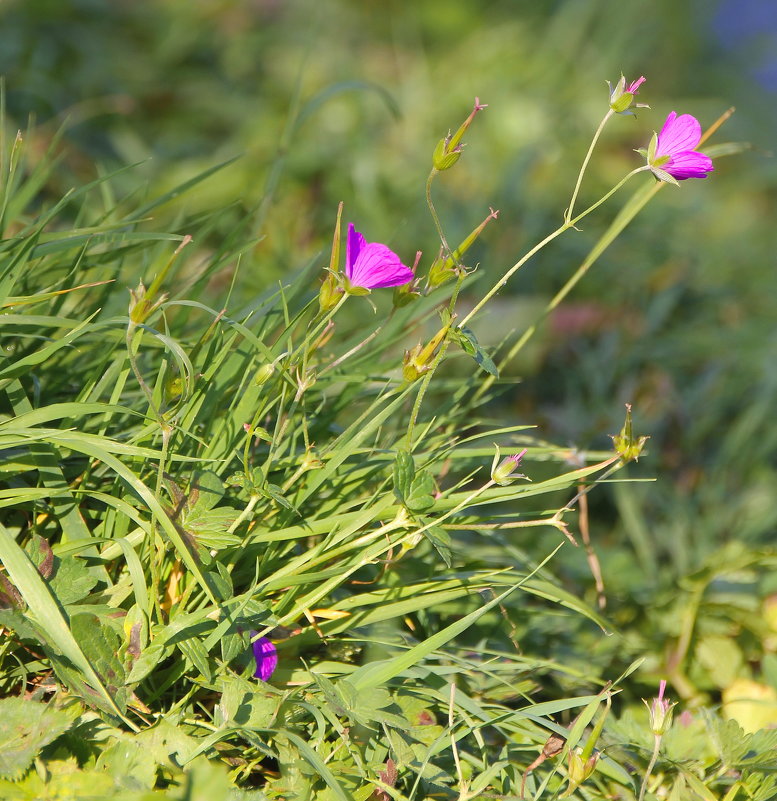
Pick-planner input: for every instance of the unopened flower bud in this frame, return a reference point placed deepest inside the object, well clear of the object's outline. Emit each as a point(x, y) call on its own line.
point(443, 269)
point(622, 96)
point(142, 304)
point(448, 150)
point(660, 712)
point(264, 374)
point(627, 446)
point(580, 769)
point(330, 293)
point(504, 472)
point(418, 360)
point(407, 293)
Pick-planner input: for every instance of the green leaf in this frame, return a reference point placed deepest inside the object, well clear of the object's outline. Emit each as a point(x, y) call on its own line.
point(100, 644)
point(206, 491)
point(441, 541)
point(48, 615)
point(376, 674)
point(466, 339)
point(129, 764)
point(404, 472)
point(420, 496)
point(276, 493)
point(25, 727)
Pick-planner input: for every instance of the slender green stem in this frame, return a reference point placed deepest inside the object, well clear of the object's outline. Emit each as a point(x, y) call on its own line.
point(615, 228)
point(549, 238)
point(570, 209)
point(435, 217)
point(320, 322)
point(421, 393)
point(428, 376)
point(651, 765)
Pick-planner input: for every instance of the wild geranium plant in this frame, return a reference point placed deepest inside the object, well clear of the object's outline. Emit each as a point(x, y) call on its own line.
point(256, 549)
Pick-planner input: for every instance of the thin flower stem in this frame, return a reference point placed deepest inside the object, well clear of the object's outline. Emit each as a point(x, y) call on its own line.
point(428, 376)
point(320, 322)
point(355, 349)
point(568, 213)
point(651, 765)
point(549, 238)
point(433, 212)
point(421, 392)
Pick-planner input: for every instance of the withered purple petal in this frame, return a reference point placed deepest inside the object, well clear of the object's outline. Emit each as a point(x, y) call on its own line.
point(266, 657)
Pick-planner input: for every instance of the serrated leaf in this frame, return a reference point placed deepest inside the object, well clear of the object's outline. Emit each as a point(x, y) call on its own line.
point(196, 655)
point(129, 764)
point(207, 490)
point(466, 339)
point(68, 577)
point(276, 493)
point(420, 496)
point(25, 728)
point(404, 472)
point(245, 704)
point(100, 644)
point(71, 581)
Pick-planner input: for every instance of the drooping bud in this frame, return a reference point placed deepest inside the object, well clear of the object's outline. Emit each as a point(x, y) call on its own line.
point(504, 472)
point(448, 150)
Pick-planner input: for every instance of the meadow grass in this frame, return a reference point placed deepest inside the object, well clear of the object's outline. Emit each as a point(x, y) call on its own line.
point(214, 458)
point(185, 472)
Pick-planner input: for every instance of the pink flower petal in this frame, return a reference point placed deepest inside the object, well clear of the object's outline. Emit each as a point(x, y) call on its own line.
point(634, 85)
point(353, 246)
point(266, 657)
point(688, 164)
point(678, 134)
point(378, 266)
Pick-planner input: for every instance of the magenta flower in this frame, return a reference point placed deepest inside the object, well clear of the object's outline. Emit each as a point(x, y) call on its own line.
point(671, 155)
point(266, 657)
point(370, 265)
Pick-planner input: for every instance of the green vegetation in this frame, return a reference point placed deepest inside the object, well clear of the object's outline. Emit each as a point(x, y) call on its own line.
point(216, 455)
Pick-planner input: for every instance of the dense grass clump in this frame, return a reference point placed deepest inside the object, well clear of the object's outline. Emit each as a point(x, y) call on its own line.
point(329, 467)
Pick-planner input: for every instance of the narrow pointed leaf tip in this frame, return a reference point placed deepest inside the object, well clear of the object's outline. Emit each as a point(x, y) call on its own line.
point(674, 151)
point(266, 656)
point(371, 265)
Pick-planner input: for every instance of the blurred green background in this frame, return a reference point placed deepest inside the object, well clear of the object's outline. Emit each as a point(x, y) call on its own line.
point(339, 100)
